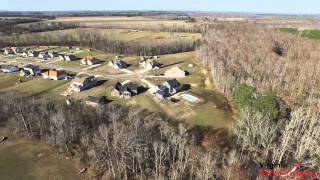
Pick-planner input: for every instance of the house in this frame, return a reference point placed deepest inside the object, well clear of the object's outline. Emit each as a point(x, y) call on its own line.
point(54, 74)
point(8, 51)
point(9, 68)
point(16, 50)
point(173, 86)
point(161, 92)
point(175, 72)
point(33, 53)
point(89, 60)
point(25, 54)
point(149, 64)
point(125, 90)
point(33, 70)
point(67, 57)
point(96, 101)
point(117, 64)
point(82, 82)
point(43, 55)
point(52, 54)
point(167, 89)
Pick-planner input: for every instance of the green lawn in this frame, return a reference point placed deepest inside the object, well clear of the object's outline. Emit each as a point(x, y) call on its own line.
point(313, 34)
point(31, 160)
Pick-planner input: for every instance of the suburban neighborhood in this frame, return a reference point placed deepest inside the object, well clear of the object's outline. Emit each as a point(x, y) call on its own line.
point(86, 73)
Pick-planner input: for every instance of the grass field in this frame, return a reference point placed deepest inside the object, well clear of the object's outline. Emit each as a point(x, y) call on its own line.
point(313, 34)
point(25, 159)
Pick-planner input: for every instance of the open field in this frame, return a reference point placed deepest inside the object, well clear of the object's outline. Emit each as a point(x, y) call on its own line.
point(313, 34)
point(119, 34)
point(25, 159)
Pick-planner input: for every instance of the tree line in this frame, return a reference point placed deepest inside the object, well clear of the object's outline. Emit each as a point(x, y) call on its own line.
point(120, 142)
point(92, 39)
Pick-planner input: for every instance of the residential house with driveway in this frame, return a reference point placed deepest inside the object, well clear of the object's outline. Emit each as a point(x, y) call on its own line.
point(33, 70)
point(125, 90)
point(65, 57)
point(32, 53)
point(117, 64)
point(149, 64)
point(89, 60)
point(167, 89)
point(82, 82)
point(53, 74)
point(8, 51)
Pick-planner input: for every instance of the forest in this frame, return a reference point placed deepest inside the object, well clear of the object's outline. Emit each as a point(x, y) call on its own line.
point(273, 79)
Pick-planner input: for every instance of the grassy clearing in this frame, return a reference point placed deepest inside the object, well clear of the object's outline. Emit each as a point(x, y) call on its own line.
point(313, 34)
point(120, 34)
point(36, 86)
point(25, 159)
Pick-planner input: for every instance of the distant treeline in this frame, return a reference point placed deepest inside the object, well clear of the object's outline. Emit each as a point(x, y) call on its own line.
point(29, 25)
point(191, 28)
point(53, 14)
point(92, 39)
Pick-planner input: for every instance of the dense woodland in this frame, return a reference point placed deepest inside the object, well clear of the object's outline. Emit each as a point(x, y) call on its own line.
point(122, 143)
point(273, 79)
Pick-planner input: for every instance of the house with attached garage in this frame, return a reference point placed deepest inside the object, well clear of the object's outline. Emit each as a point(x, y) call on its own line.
point(67, 57)
point(9, 68)
point(8, 51)
point(117, 64)
point(149, 64)
point(33, 70)
point(33, 53)
point(82, 82)
point(54, 74)
point(125, 90)
point(167, 89)
point(52, 54)
point(43, 55)
point(89, 60)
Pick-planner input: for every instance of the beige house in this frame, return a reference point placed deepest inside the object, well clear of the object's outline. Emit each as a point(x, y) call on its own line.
point(82, 82)
point(89, 60)
point(54, 74)
point(175, 72)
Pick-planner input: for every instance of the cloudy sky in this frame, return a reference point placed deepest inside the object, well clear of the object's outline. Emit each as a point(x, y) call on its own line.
point(264, 6)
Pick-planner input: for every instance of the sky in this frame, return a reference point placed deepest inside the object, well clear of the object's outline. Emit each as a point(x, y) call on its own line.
point(255, 6)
